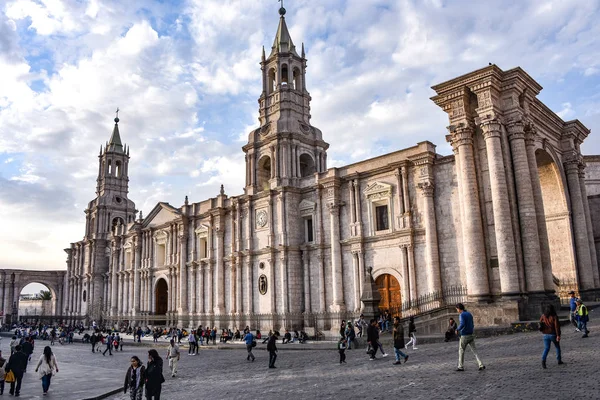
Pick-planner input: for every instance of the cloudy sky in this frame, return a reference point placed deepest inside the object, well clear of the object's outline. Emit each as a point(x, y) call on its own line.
point(186, 77)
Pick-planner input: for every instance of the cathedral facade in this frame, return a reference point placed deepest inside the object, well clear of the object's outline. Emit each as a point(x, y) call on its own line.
point(504, 224)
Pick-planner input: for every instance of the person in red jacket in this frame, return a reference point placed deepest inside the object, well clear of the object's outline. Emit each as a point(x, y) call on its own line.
point(550, 327)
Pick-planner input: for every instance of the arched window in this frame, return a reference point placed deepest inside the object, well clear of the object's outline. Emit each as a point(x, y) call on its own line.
point(284, 74)
point(264, 173)
point(271, 84)
point(118, 169)
point(115, 222)
point(84, 297)
point(296, 79)
point(109, 167)
point(307, 165)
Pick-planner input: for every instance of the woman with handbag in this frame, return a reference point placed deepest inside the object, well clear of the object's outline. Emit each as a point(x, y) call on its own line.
point(550, 327)
point(46, 367)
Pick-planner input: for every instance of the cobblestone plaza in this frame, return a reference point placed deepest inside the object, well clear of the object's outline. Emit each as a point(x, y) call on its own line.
point(513, 371)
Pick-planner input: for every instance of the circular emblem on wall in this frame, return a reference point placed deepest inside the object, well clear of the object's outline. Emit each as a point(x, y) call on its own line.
point(261, 218)
point(262, 284)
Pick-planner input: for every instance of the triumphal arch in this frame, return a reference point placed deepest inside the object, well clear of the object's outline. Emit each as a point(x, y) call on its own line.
point(503, 224)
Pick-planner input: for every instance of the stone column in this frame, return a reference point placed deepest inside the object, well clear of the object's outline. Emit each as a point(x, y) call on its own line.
point(137, 265)
point(336, 259)
point(473, 245)
point(192, 273)
point(405, 273)
point(249, 284)
point(539, 208)
point(115, 282)
point(209, 309)
point(505, 245)
point(356, 279)
point(584, 262)
point(238, 286)
point(201, 288)
point(412, 277)
point(526, 207)
point(283, 283)
point(306, 276)
point(219, 291)
point(183, 284)
point(322, 304)
point(590, 230)
point(432, 257)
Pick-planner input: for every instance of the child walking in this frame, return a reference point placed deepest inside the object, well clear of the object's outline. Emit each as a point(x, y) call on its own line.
point(342, 344)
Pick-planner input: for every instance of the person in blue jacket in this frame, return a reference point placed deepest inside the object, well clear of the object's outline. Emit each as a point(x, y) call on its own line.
point(466, 330)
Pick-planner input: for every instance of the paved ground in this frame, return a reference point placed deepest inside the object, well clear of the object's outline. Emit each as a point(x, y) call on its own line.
point(513, 371)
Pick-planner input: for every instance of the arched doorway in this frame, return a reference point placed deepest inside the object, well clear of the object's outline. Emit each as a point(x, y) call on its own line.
point(389, 289)
point(558, 223)
point(37, 303)
point(161, 296)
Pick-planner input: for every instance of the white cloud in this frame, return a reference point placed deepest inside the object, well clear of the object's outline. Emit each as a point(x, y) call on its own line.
point(187, 80)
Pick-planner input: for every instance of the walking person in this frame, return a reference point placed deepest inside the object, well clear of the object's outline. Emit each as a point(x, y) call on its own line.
point(272, 349)
point(412, 333)
point(109, 343)
point(173, 356)
point(93, 340)
point(27, 348)
point(582, 318)
point(350, 334)
point(398, 335)
point(466, 330)
point(134, 379)
point(154, 375)
point(451, 330)
point(17, 364)
point(46, 367)
point(342, 349)
point(13, 344)
point(192, 342)
point(250, 343)
point(373, 340)
point(572, 310)
point(2, 373)
point(550, 327)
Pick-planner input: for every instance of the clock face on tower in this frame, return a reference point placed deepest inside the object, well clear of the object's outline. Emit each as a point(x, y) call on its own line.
point(261, 218)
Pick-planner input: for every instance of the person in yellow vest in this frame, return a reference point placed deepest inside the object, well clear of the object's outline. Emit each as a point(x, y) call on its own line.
point(582, 317)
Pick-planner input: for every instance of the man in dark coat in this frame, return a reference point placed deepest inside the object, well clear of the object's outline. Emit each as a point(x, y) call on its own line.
point(272, 348)
point(27, 349)
point(373, 338)
point(17, 363)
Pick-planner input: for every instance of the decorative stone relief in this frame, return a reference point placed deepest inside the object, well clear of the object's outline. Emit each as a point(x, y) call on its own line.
point(262, 284)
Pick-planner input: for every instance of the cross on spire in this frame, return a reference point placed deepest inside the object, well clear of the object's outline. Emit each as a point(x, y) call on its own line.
point(281, 9)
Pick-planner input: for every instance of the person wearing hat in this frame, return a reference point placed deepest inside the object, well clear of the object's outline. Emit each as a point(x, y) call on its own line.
point(573, 308)
point(582, 317)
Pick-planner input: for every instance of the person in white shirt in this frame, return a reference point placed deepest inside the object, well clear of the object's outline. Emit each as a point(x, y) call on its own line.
point(46, 367)
point(173, 356)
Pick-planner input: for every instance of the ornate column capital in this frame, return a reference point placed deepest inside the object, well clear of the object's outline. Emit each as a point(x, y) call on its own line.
point(460, 135)
point(427, 188)
point(491, 128)
point(516, 130)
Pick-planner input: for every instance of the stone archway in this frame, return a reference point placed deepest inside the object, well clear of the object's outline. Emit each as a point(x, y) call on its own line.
point(558, 222)
point(161, 297)
point(389, 289)
point(13, 281)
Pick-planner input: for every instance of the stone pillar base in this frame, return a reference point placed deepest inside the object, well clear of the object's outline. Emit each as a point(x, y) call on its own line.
point(589, 294)
point(532, 305)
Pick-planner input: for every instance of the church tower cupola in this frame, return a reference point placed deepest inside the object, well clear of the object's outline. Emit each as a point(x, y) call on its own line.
point(111, 206)
point(286, 148)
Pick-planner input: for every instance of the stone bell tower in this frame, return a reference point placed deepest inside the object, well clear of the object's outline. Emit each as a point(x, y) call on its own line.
point(286, 147)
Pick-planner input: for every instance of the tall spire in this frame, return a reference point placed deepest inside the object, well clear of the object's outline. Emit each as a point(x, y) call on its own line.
point(114, 144)
point(283, 41)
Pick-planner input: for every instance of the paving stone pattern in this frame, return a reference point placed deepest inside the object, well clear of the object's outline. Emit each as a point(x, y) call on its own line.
point(513, 372)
